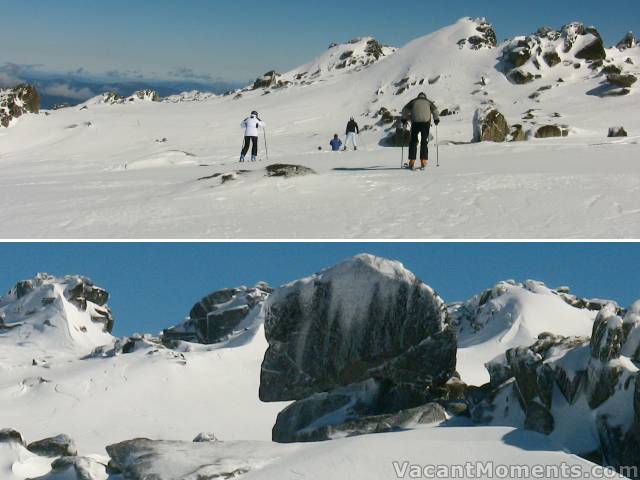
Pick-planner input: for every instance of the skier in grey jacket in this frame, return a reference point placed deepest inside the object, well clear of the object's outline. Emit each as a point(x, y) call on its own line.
point(420, 111)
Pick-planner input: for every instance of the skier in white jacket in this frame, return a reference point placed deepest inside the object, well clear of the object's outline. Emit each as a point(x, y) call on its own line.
point(251, 126)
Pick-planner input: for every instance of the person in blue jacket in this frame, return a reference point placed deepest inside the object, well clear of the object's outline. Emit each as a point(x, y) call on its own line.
point(336, 143)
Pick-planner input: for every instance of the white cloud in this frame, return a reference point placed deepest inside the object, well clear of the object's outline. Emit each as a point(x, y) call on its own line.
point(67, 91)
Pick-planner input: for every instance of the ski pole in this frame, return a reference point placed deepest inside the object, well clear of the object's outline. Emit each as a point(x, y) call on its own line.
point(437, 148)
point(266, 146)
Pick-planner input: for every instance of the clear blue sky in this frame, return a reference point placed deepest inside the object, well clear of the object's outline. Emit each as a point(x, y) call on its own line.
point(155, 285)
point(236, 40)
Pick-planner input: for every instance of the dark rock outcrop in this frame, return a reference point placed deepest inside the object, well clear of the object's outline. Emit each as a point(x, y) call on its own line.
point(268, 80)
point(58, 446)
point(80, 468)
point(617, 132)
point(322, 337)
point(629, 41)
point(284, 170)
point(8, 435)
point(218, 315)
point(489, 125)
point(485, 38)
point(624, 81)
point(17, 101)
point(550, 131)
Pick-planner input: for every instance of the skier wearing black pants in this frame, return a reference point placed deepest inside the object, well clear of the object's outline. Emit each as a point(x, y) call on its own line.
point(251, 126)
point(420, 111)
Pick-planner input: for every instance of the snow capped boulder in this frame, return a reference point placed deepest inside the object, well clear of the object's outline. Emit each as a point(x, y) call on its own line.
point(485, 37)
point(220, 314)
point(8, 435)
point(113, 98)
point(489, 125)
point(15, 102)
point(629, 41)
point(68, 314)
point(58, 446)
point(365, 318)
point(145, 96)
point(205, 437)
point(75, 468)
point(355, 55)
point(268, 80)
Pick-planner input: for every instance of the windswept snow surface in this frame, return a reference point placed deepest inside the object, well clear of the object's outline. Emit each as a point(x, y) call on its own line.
point(105, 171)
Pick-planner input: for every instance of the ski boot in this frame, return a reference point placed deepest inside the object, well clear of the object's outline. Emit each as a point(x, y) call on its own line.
point(254, 158)
point(241, 158)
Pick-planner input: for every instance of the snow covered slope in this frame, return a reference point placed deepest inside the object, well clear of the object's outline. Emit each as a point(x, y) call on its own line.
point(508, 316)
point(132, 169)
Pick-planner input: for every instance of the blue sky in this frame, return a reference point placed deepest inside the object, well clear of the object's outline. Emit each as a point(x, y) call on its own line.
point(155, 285)
point(237, 40)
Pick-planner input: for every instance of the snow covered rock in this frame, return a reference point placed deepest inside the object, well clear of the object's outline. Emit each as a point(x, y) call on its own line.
point(15, 102)
point(566, 385)
point(489, 125)
point(75, 468)
point(205, 437)
point(629, 41)
point(59, 446)
point(485, 37)
point(142, 459)
point(8, 435)
point(219, 314)
point(268, 80)
point(365, 318)
point(113, 98)
point(192, 96)
point(56, 315)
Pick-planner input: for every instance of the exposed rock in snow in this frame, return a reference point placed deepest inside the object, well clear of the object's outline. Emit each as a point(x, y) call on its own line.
point(366, 317)
point(8, 435)
point(220, 314)
point(589, 381)
point(360, 409)
point(283, 170)
point(59, 446)
point(550, 131)
point(624, 81)
point(485, 38)
point(15, 102)
point(205, 437)
point(268, 80)
point(113, 98)
point(629, 41)
point(489, 125)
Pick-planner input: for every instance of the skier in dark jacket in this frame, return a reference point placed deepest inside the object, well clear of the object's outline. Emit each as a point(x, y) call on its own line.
point(420, 111)
point(353, 130)
point(336, 143)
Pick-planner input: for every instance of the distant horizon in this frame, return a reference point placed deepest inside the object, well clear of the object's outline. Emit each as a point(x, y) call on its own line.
point(198, 41)
point(153, 286)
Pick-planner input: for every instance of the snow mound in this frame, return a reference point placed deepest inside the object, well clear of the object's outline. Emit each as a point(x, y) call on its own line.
point(47, 316)
point(511, 315)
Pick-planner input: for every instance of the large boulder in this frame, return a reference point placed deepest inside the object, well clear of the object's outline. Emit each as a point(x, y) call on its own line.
point(629, 41)
point(8, 435)
point(489, 125)
point(75, 468)
point(219, 314)
point(15, 102)
point(268, 80)
point(619, 80)
point(551, 131)
point(58, 446)
point(364, 318)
